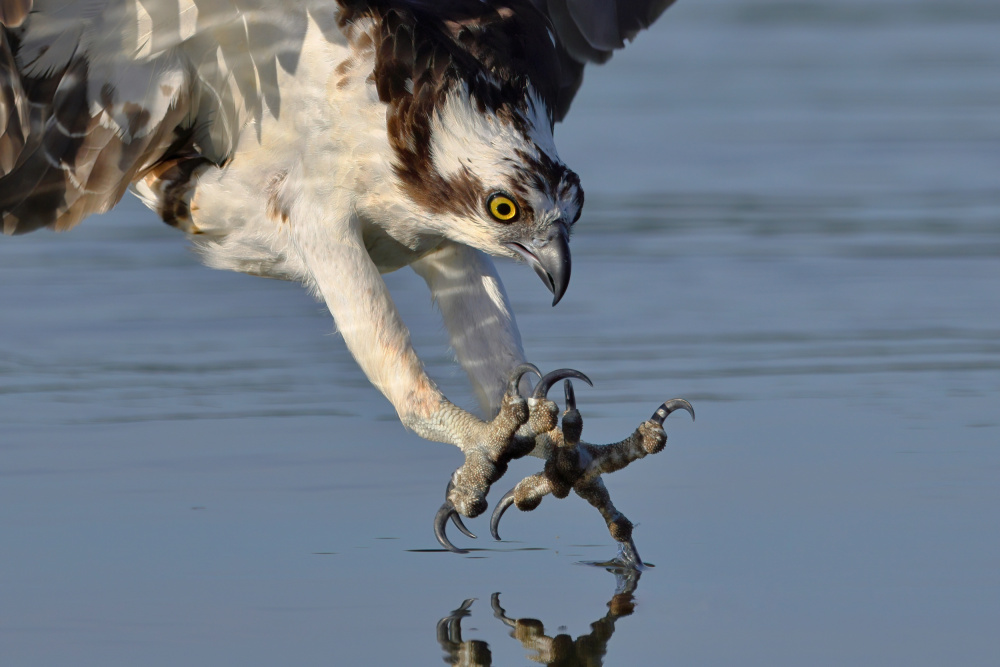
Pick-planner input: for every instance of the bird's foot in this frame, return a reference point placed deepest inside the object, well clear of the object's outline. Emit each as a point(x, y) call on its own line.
point(571, 464)
point(510, 435)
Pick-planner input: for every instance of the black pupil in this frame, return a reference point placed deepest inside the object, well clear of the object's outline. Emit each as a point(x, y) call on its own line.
point(503, 210)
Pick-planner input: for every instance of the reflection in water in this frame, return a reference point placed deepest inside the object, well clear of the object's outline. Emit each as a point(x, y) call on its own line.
point(562, 650)
point(456, 651)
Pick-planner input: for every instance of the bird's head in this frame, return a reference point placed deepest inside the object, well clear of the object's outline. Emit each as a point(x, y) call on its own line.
point(496, 183)
point(470, 126)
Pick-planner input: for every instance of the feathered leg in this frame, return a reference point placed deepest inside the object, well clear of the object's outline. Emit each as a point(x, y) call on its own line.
point(484, 336)
point(341, 271)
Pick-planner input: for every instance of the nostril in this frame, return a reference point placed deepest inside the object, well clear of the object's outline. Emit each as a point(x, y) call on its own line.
point(557, 230)
point(542, 242)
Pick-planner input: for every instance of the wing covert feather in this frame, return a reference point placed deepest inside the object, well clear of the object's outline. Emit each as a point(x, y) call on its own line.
point(93, 93)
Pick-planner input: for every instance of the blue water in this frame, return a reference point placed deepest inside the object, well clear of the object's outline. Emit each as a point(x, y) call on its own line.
point(792, 220)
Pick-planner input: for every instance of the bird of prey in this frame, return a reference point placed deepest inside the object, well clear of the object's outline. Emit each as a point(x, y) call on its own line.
point(329, 142)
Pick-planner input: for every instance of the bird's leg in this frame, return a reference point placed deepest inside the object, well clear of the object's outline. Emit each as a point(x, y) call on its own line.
point(511, 435)
point(367, 318)
point(466, 288)
point(485, 463)
point(573, 464)
point(483, 333)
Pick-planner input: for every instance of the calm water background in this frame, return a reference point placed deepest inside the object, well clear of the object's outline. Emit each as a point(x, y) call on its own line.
point(793, 220)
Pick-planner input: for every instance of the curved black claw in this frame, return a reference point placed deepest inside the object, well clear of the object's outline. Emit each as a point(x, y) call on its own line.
point(456, 519)
point(542, 390)
point(502, 506)
point(673, 404)
point(446, 512)
point(518, 373)
point(570, 395)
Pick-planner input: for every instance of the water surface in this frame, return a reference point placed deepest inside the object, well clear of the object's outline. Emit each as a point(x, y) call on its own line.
point(793, 220)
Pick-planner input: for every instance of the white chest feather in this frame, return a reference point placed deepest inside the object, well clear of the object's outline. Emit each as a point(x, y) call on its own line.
point(326, 144)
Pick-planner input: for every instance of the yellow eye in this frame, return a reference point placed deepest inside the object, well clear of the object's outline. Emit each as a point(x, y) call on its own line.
point(502, 207)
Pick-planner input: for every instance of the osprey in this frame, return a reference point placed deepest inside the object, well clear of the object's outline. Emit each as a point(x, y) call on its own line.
point(329, 142)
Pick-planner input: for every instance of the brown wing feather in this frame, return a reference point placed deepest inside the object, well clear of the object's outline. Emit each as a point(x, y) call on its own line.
point(93, 93)
point(13, 12)
point(13, 109)
point(71, 162)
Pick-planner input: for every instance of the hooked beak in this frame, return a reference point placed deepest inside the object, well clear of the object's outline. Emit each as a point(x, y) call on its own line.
point(550, 258)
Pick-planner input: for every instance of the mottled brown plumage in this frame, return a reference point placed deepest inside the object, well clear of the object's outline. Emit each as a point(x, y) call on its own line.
point(13, 12)
point(71, 163)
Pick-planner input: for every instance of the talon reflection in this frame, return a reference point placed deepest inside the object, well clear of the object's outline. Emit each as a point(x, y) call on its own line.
point(472, 653)
point(585, 651)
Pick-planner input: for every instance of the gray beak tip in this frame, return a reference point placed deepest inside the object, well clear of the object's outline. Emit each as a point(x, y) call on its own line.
point(550, 259)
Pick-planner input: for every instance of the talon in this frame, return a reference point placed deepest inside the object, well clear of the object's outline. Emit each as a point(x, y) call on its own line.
point(572, 423)
point(456, 519)
point(542, 390)
point(673, 404)
point(502, 506)
point(517, 374)
point(570, 395)
point(446, 512)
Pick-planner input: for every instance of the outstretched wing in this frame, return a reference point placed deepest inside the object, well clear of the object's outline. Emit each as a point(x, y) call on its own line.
point(79, 126)
point(93, 93)
point(588, 31)
point(584, 31)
